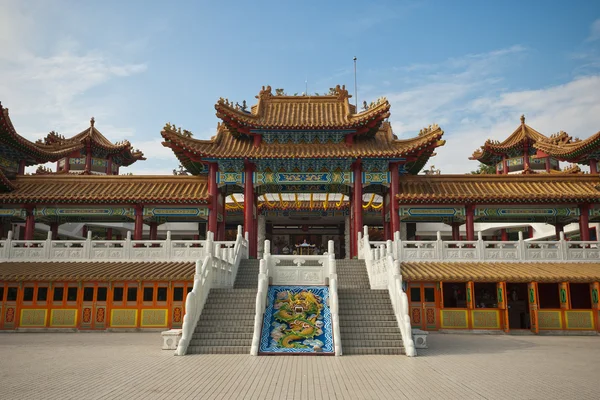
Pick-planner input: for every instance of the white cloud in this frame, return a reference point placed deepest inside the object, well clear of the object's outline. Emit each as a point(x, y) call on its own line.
point(594, 31)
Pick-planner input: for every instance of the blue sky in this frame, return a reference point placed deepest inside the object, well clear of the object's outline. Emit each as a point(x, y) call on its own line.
point(473, 67)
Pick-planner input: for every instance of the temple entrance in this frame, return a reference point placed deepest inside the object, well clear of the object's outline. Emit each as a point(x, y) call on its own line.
point(93, 308)
point(423, 306)
point(518, 308)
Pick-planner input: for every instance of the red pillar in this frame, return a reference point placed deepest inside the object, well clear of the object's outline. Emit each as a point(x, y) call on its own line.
point(558, 228)
point(525, 155)
point(214, 201)
point(504, 165)
point(470, 224)
point(21, 170)
point(84, 231)
point(109, 166)
point(456, 231)
point(54, 230)
point(504, 235)
point(109, 233)
point(548, 167)
point(593, 166)
point(88, 159)
point(249, 207)
point(358, 203)
point(29, 223)
point(394, 188)
point(153, 230)
point(67, 164)
point(138, 229)
point(584, 222)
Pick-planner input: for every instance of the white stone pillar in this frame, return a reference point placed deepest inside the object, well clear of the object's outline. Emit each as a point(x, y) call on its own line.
point(403, 231)
point(261, 235)
point(347, 236)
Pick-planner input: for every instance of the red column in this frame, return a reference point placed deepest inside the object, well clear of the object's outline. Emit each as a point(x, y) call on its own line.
point(548, 167)
point(249, 207)
point(456, 231)
point(109, 166)
point(153, 230)
point(593, 166)
point(21, 170)
point(525, 156)
point(214, 201)
point(584, 222)
point(109, 233)
point(138, 229)
point(504, 165)
point(67, 164)
point(504, 235)
point(54, 230)
point(470, 224)
point(88, 159)
point(29, 223)
point(558, 228)
point(394, 188)
point(84, 231)
point(358, 203)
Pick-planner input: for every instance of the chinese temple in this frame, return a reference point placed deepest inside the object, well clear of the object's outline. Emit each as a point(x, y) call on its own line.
point(288, 179)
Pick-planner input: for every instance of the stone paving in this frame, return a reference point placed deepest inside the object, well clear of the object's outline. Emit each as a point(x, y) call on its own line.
point(131, 365)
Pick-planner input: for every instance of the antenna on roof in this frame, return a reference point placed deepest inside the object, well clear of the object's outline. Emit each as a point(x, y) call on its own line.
point(306, 83)
point(355, 87)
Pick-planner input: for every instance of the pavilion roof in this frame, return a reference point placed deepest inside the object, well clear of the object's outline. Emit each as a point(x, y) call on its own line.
point(437, 271)
point(383, 144)
point(127, 155)
point(581, 151)
point(107, 189)
point(16, 146)
point(97, 271)
point(493, 151)
point(5, 184)
point(494, 189)
point(282, 112)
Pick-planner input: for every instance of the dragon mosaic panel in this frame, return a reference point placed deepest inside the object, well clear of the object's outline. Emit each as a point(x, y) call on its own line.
point(297, 320)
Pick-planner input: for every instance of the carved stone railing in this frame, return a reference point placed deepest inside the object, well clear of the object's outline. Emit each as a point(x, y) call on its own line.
point(103, 250)
point(491, 251)
point(218, 269)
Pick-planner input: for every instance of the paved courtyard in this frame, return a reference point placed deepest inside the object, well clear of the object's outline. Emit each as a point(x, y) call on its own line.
point(131, 365)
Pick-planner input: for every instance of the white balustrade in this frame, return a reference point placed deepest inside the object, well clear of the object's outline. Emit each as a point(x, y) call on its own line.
point(218, 269)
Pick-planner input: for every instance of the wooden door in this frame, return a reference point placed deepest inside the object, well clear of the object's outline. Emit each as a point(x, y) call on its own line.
point(423, 305)
point(93, 306)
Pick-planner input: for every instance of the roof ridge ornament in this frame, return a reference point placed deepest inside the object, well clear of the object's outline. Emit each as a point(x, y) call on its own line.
point(522, 119)
point(92, 122)
point(265, 93)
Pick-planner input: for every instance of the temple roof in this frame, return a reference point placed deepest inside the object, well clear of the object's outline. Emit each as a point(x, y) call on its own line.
point(500, 271)
point(581, 151)
point(494, 189)
point(127, 155)
point(107, 189)
point(383, 145)
point(97, 271)
point(281, 112)
point(5, 184)
point(32, 153)
point(493, 151)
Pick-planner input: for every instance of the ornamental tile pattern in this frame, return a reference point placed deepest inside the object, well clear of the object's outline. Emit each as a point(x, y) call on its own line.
point(437, 271)
point(579, 319)
point(549, 319)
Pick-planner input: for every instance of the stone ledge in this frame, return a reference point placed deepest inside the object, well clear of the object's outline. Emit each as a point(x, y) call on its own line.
point(420, 338)
point(171, 339)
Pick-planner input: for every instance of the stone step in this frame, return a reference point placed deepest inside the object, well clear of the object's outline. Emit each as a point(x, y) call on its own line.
point(351, 336)
point(359, 312)
point(370, 342)
point(366, 317)
point(234, 291)
point(220, 329)
point(372, 350)
point(222, 335)
point(373, 324)
point(366, 330)
point(219, 350)
point(233, 315)
point(220, 342)
point(250, 309)
point(245, 303)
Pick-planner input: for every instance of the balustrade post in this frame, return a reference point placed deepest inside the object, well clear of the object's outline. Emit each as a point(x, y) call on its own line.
point(127, 252)
point(521, 247)
point(397, 244)
point(564, 247)
point(87, 251)
point(480, 246)
point(8, 247)
point(47, 245)
point(267, 247)
point(388, 248)
point(168, 244)
point(439, 244)
point(330, 247)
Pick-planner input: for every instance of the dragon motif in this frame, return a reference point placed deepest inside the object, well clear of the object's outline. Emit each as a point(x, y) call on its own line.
point(300, 319)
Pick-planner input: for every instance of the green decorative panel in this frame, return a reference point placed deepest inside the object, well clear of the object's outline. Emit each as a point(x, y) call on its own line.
point(383, 178)
point(33, 317)
point(63, 318)
point(302, 178)
point(230, 178)
point(454, 319)
point(175, 212)
point(77, 161)
point(486, 319)
point(123, 318)
point(527, 212)
point(84, 212)
point(549, 319)
point(425, 212)
point(12, 212)
point(154, 318)
point(579, 319)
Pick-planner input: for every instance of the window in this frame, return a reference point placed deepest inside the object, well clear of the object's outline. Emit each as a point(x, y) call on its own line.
point(88, 294)
point(148, 294)
point(58, 294)
point(455, 294)
point(131, 294)
point(429, 294)
point(485, 295)
point(161, 294)
point(118, 294)
point(11, 293)
point(415, 294)
point(42, 294)
point(580, 296)
point(28, 294)
point(548, 294)
point(1, 294)
point(178, 294)
point(101, 294)
point(72, 294)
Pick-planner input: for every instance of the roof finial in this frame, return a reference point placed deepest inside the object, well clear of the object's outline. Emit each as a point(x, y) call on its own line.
point(92, 121)
point(523, 119)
